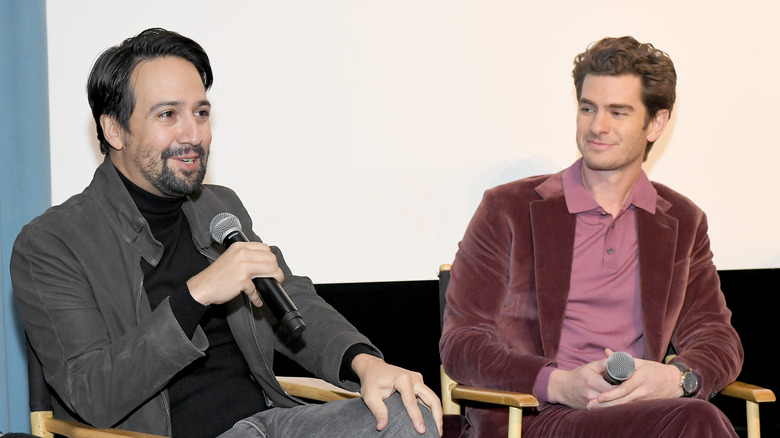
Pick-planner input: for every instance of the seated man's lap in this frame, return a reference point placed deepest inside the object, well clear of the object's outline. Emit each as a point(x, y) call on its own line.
point(345, 418)
point(649, 418)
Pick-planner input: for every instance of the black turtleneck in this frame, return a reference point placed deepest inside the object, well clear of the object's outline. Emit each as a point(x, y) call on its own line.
point(208, 396)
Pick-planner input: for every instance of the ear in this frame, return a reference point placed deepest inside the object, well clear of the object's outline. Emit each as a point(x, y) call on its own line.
point(657, 125)
point(112, 132)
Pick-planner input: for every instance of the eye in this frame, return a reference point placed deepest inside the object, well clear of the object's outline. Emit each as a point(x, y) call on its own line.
point(167, 114)
point(202, 113)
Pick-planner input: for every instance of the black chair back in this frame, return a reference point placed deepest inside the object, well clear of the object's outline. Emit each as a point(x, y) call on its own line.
point(40, 399)
point(444, 279)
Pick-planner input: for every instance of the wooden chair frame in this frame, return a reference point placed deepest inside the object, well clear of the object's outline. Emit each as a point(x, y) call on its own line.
point(45, 425)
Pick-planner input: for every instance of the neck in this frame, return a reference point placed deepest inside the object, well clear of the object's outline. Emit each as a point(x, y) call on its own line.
point(610, 188)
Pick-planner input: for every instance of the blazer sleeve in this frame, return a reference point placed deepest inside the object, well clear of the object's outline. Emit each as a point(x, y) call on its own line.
point(93, 360)
point(328, 335)
point(490, 336)
point(704, 338)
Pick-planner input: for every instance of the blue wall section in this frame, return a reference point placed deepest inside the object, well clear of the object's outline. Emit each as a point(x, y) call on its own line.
point(25, 187)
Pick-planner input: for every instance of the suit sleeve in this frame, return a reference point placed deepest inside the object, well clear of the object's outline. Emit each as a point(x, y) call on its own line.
point(328, 335)
point(100, 374)
point(484, 340)
point(704, 338)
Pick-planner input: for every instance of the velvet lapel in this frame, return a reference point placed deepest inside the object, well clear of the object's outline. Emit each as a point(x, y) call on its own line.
point(657, 235)
point(553, 242)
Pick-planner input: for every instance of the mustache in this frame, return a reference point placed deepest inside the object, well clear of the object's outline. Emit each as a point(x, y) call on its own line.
point(186, 150)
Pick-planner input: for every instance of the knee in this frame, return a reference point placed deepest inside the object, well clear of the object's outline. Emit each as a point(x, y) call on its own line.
point(400, 423)
point(248, 427)
point(702, 419)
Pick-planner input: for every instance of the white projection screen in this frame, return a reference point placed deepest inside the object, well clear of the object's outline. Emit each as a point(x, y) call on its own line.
point(361, 134)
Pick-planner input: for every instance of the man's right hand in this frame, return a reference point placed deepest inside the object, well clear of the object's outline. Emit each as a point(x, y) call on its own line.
point(232, 274)
point(576, 388)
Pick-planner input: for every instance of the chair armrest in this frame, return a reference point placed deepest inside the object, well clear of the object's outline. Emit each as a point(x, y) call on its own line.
point(43, 424)
point(494, 396)
point(747, 392)
point(314, 389)
point(452, 390)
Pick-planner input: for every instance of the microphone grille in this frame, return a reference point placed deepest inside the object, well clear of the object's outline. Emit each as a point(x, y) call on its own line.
point(222, 225)
point(620, 365)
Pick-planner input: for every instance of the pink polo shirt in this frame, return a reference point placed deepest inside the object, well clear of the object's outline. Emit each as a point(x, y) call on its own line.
point(603, 308)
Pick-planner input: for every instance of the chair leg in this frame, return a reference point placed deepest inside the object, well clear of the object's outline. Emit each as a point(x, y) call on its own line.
point(37, 420)
point(753, 424)
point(449, 406)
point(515, 422)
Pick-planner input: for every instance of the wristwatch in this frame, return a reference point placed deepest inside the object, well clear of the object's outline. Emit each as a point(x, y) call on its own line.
point(689, 382)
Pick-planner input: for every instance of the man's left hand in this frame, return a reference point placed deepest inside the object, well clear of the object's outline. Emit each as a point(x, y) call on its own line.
point(379, 380)
point(652, 380)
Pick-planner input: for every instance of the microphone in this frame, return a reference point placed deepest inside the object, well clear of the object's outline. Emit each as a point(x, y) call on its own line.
point(226, 229)
point(620, 366)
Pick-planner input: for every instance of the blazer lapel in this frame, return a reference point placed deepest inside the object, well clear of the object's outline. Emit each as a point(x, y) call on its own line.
point(553, 242)
point(657, 234)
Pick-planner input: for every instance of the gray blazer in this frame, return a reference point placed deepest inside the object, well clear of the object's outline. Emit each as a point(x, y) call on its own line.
point(78, 284)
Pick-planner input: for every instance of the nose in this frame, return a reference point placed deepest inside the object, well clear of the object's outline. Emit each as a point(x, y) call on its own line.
point(193, 131)
point(599, 123)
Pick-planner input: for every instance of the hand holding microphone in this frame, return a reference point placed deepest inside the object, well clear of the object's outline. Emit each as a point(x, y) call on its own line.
point(620, 367)
point(226, 229)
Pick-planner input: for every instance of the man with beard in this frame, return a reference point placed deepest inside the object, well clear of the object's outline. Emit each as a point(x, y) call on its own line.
point(142, 322)
point(556, 271)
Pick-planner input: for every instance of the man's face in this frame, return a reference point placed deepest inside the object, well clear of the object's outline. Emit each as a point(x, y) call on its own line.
point(611, 123)
point(166, 150)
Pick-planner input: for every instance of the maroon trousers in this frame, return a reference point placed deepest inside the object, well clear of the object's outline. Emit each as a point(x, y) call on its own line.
point(682, 417)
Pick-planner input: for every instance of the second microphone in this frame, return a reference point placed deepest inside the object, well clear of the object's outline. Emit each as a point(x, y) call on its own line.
point(226, 229)
point(620, 367)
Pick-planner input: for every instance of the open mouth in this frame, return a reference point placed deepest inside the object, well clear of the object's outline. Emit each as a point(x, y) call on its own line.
point(188, 156)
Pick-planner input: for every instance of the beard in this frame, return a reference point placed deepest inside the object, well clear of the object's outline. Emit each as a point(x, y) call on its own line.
point(176, 184)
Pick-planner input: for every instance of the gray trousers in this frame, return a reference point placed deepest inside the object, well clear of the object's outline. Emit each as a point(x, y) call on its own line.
point(338, 419)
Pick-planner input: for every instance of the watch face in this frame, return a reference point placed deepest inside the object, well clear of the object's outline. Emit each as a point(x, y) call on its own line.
point(690, 383)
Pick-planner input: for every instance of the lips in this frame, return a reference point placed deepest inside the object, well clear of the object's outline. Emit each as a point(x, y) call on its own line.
point(598, 144)
point(188, 156)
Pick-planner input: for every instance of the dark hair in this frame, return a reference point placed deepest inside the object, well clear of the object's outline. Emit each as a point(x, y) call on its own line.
point(109, 88)
point(626, 56)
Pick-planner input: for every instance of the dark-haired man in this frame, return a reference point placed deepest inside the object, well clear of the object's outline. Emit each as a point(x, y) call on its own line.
point(556, 272)
point(141, 321)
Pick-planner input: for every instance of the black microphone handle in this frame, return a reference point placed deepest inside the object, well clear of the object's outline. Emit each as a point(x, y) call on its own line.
point(611, 380)
point(272, 294)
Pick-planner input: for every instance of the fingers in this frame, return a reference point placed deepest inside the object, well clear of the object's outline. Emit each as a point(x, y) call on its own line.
point(409, 399)
point(380, 380)
point(254, 297)
point(255, 259)
point(376, 405)
point(432, 402)
point(232, 273)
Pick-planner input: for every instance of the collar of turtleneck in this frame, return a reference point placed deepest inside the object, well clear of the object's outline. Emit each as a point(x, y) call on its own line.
point(160, 212)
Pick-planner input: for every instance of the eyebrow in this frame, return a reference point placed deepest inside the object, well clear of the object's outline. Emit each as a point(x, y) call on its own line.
point(612, 106)
point(175, 103)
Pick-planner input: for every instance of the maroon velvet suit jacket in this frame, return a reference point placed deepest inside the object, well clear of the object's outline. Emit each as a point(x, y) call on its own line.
point(510, 281)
